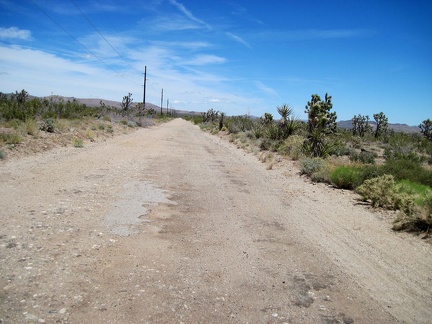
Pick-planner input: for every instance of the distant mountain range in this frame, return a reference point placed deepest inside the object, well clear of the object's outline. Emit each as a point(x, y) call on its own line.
point(403, 128)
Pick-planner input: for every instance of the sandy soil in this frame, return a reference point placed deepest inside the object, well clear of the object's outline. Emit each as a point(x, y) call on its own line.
point(172, 225)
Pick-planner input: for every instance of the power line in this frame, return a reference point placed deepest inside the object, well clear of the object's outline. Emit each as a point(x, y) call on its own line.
point(100, 34)
point(85, 47)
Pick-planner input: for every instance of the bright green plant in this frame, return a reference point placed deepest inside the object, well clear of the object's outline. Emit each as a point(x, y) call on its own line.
point(347, 177)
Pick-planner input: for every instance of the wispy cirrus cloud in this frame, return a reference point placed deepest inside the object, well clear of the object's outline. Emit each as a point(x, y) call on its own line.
point(205, 59)
point(238, 39)
point(267, 90)
point(189, 14)
point(311, 34)
point(172, 22)
point(15, 33)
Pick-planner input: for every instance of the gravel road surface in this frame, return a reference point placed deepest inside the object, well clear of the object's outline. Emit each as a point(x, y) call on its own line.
point(169, 224)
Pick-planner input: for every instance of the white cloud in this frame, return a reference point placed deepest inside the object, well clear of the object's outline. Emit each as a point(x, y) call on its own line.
point(14, 33)
point(41, 73)
point(205, 59)
point(172, 22)
point(188, 14)
point(267, 90)
point(311, 34)
point(238, 39)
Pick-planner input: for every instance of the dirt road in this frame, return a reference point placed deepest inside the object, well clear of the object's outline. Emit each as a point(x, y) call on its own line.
point(173, 225)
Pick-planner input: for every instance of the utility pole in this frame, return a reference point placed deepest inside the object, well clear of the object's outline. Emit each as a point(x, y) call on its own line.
point(161, 101)
point(145, 81)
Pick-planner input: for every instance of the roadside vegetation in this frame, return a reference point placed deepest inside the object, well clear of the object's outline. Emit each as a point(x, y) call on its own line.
point(36, 124)
point(390, 170)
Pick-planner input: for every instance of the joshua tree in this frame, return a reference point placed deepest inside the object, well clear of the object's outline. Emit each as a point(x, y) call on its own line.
point(426, 129)
point(267, 119)
point(321, 123)
point(127, 102)
point(360, 125)
point(382, 124)
point(21, 97)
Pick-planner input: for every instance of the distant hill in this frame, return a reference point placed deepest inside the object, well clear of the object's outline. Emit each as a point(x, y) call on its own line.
point(403, 128)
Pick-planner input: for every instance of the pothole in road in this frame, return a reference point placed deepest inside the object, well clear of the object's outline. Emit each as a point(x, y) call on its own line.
point(134, 203)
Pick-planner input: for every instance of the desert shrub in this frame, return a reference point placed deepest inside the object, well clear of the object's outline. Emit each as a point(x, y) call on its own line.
point(292, 147)
point(406, 152)
point(131, 124)
point(265, 144)
point(91, 135)
point(109, 129)
point(31, 127)
point(47, 125)
point(11, 138)
point(422, 194)
point(78, 142)
point(273, 131)
point(363, 157)
point(413, 223)
point(356, 141)
point(309, 166)
point(384, 192)
point(347, 177)
point(2, 155)
point(323, 175)
point(403, 169)
point(341, 150)
point(238, 124)
point(257, 130)
point(14, 123)
point(371, 171)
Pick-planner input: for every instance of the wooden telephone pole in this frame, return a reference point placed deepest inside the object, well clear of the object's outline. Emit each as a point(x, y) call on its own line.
point(145, 81)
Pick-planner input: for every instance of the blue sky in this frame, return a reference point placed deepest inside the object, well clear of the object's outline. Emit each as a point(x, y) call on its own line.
point(236, 56)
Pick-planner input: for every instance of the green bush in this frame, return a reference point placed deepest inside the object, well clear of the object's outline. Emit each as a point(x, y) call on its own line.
point(78, 142)
point(341, 150)
point(384, 192)
point(47, 125)
point(323, 175)
point(347, 177)
point(363, 157)
point(292, 147)
point(11, 138)
point(2, 155)
point(403, 169)
point(309, 166)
